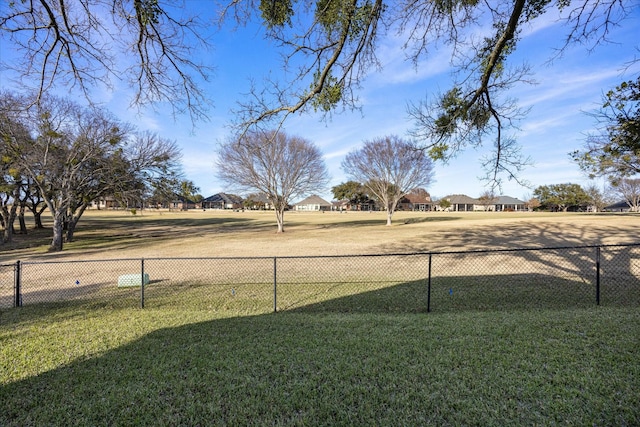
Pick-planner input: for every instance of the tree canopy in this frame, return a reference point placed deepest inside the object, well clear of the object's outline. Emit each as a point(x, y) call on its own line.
point(73, 155)
point(390, 168)
point(328, 48)
point(561, 196)
point(273, 163)
point(353, 191)
point(614, 151)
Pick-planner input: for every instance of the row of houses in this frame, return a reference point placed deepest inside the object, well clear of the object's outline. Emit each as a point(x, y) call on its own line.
point(420, 202)
point(415, 201)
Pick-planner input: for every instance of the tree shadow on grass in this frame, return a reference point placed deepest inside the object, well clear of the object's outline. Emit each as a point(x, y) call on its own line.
point(303, 367)
point(380, 221)
point(95, 235)
point(467, 293)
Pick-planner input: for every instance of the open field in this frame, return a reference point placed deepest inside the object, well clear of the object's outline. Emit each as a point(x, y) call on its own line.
point(332, 355)
point(118, 234)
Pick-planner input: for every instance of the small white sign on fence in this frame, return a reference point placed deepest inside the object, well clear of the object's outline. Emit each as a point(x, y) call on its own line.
point(127, 280)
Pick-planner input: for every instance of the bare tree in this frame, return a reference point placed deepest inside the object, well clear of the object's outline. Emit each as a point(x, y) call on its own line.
point(487, 199)
point(13, 132)
point(390, 168)
point(282, 167)
point(599, 197)
point(629, 189)
point(85, 43)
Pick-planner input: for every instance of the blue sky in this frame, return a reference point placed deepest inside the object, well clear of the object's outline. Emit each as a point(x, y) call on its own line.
point(555, 125)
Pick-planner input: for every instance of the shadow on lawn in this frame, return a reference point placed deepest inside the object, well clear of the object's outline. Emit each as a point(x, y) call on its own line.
point(300, 367)
point(459, 294)
point(95, 235)
point(378, 220)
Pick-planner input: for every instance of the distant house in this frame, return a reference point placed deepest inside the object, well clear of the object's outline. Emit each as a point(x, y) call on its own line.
point(347, 205)
point(312, 203)
point(257, 201)
point(509, 204)
point(340, 205)
point(222, 201)
point(461, 203)
point(416, 201)
point(182, 203)
point(622, 206)
point(107, 202)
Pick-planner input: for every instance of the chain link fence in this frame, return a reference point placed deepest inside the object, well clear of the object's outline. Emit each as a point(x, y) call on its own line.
point(417, 282)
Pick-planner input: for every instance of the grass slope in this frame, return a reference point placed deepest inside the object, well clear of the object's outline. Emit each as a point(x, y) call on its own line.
point(174, 367)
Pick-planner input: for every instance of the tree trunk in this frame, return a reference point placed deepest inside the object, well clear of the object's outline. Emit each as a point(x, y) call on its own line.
point(8, 218)
point(7, 234)
point(73, 221)
point(389, 215)
point(280, 220)
point(58, 233)
point(37, 216)
point(23, 224)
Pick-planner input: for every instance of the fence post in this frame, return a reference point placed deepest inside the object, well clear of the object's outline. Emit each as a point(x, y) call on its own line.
point(17, 279)
point(429, 287)
point(598, 275)
point(142, 283)
point(275, 285)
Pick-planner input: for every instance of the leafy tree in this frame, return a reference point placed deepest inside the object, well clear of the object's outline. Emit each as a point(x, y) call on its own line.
point(329, 47)
point(444, 204)
point(13, 132)
point(280, 166)
point(10, 185)
point(390, 167)
point(353, 191)
point(34, 201)
point(561, 196)
point(79, 154)
point(72, 148)
point(189, 190)
point(614, 151)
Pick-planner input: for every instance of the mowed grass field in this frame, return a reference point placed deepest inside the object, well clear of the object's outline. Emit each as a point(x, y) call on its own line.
point(77, 364)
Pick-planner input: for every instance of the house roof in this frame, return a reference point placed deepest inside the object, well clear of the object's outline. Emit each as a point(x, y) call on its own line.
point(619, 205)
point(418, 198)
point(258, 197)
point(461, 199)
point(507, 200)
point(313, 200)
point(224, 198)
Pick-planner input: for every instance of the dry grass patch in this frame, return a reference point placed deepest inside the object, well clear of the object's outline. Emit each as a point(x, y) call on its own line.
point(118, 234)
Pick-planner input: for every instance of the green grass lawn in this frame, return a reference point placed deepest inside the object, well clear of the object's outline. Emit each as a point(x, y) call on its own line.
point(78, 365)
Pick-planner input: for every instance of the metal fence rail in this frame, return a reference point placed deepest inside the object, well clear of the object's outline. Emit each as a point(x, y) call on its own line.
point(562, 277)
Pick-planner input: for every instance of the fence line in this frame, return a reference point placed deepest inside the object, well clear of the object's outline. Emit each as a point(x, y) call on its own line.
point(568, 276)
